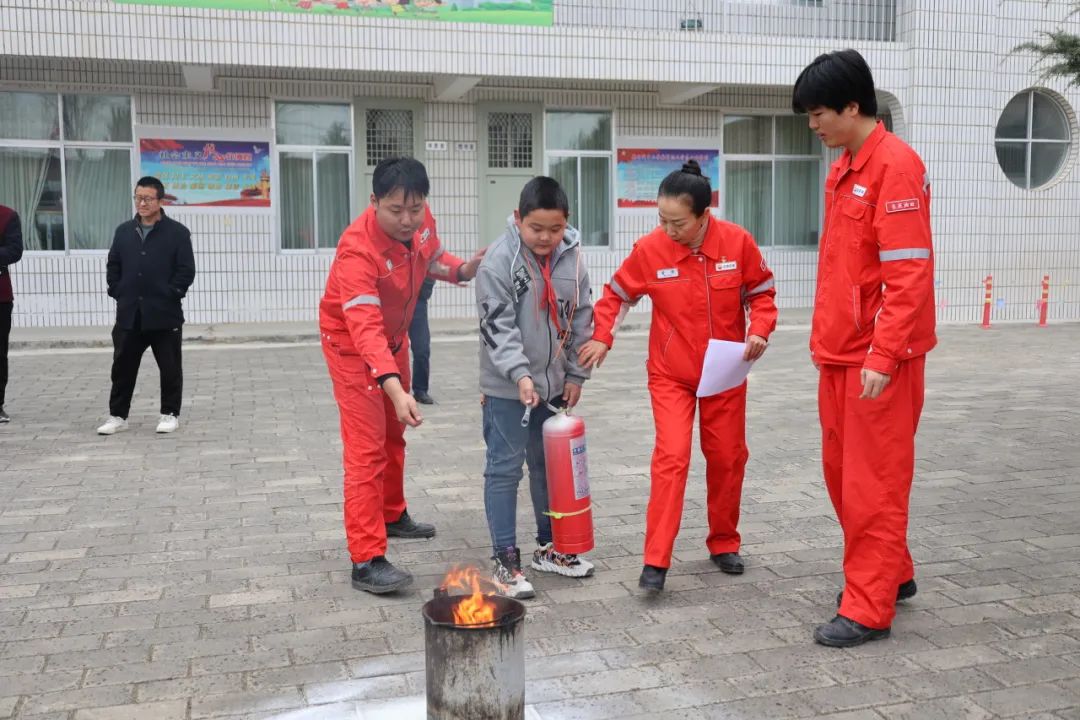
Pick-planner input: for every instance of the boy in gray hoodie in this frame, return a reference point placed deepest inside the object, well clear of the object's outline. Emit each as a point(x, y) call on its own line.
point(535, 305)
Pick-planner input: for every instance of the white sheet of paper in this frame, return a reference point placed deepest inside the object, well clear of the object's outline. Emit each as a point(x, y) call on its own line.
point(724, 367)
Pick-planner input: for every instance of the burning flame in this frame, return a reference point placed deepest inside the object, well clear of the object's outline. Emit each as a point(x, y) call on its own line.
point(476, 609)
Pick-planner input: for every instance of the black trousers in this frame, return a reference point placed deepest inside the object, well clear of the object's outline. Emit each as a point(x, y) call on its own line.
point(5, 332)
point(128, 349)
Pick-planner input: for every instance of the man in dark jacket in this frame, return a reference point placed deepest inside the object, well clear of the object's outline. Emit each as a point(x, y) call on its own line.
point(11, 250)
point(151, 266)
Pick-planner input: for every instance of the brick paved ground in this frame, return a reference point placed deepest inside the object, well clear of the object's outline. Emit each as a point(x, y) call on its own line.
point(203, 574)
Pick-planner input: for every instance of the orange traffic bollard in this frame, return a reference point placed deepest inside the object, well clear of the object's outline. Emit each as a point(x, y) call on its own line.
point(1044, 302)
point(989, 282)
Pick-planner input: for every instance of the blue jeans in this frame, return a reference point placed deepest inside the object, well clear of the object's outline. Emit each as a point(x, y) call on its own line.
point(509, 446)
point(420, 342)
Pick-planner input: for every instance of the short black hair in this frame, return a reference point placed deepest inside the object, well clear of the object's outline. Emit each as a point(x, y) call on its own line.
point(148, 181)
point(543, 193)
point(832, 81)
point(689, 181)
point(400, 173)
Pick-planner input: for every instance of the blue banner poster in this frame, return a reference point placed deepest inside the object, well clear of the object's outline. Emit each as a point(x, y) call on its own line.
point(639, 172)
point(209, 173)
point(498, 12)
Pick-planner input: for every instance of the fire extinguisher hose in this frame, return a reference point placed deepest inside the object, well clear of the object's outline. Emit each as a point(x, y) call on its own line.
point(528, 412)
point(561, 515)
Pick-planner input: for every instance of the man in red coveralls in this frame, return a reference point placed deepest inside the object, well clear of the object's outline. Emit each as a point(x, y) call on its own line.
point(873, 325)
point(381, 262)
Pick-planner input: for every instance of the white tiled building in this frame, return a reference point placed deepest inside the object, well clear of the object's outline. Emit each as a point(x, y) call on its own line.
point(487, 106)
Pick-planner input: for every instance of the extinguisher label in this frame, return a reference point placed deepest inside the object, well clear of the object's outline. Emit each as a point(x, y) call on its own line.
point(580, 461)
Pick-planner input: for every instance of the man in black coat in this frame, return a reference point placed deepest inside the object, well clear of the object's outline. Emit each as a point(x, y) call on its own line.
point(11, 250)
point(150, 268)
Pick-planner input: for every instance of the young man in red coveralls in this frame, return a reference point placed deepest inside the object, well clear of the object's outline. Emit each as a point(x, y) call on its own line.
point(381, 262)
point(873, 325)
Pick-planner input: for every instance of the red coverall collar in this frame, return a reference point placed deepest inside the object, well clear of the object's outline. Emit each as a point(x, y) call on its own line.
point(383, 242)
point(710, 247)
point(872, 141)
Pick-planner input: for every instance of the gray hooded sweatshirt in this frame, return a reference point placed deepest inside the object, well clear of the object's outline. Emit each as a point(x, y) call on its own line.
point(518, 337)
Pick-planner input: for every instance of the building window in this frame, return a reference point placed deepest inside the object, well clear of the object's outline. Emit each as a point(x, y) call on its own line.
point(314, 155)
point(65, 167)
point(389, 134)
point(772, 178)
point(579, 155)
point(1032, 139)
point(510, 140)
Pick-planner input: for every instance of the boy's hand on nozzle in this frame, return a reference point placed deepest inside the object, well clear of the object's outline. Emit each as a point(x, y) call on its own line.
point(527, 392)
point(592, 354)
point(571, 394)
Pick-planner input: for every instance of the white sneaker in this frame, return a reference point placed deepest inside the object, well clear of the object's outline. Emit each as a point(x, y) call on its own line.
point(547, 559)
point(508, 575)
point(168, 424)
point(112, 426)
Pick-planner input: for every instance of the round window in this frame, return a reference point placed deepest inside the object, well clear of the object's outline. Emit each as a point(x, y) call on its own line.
point(1032, 139)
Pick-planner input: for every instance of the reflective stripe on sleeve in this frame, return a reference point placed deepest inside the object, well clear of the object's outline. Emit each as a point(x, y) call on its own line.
point(623, 295)
point(767, 285)
point(904, 254)
point(361, 300)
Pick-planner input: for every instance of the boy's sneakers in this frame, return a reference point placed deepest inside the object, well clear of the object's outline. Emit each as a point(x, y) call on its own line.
point(168, 424)
point(547, 559)
point(113, 425)
point(507, 573)
point(4, 417)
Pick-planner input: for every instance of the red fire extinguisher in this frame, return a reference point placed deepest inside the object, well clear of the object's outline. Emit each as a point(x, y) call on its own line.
point(569, 504)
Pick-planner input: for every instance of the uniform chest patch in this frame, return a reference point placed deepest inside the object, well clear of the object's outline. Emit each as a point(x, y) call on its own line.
point(389, 264)
point(725, 266)
point(425, 235)
point(667, 273)
point(858, 191)
point(895, 206)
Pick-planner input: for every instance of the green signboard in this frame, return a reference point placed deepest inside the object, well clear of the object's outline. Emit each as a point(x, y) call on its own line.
point(502, 12)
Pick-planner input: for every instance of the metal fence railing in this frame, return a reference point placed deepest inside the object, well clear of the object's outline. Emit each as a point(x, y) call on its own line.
point(871, 20)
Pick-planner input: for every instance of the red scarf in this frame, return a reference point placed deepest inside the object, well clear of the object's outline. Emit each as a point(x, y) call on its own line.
point(549, 300)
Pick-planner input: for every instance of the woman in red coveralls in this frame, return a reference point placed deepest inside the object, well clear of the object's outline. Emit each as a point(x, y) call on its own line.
point(701, 274)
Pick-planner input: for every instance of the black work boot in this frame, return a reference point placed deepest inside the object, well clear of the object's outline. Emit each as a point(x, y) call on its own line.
point(906, 591)
point(729, 563)
point(652, 578)
point(406, 527)
point(423, 398)
point(378, 576)
point(844, 632)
